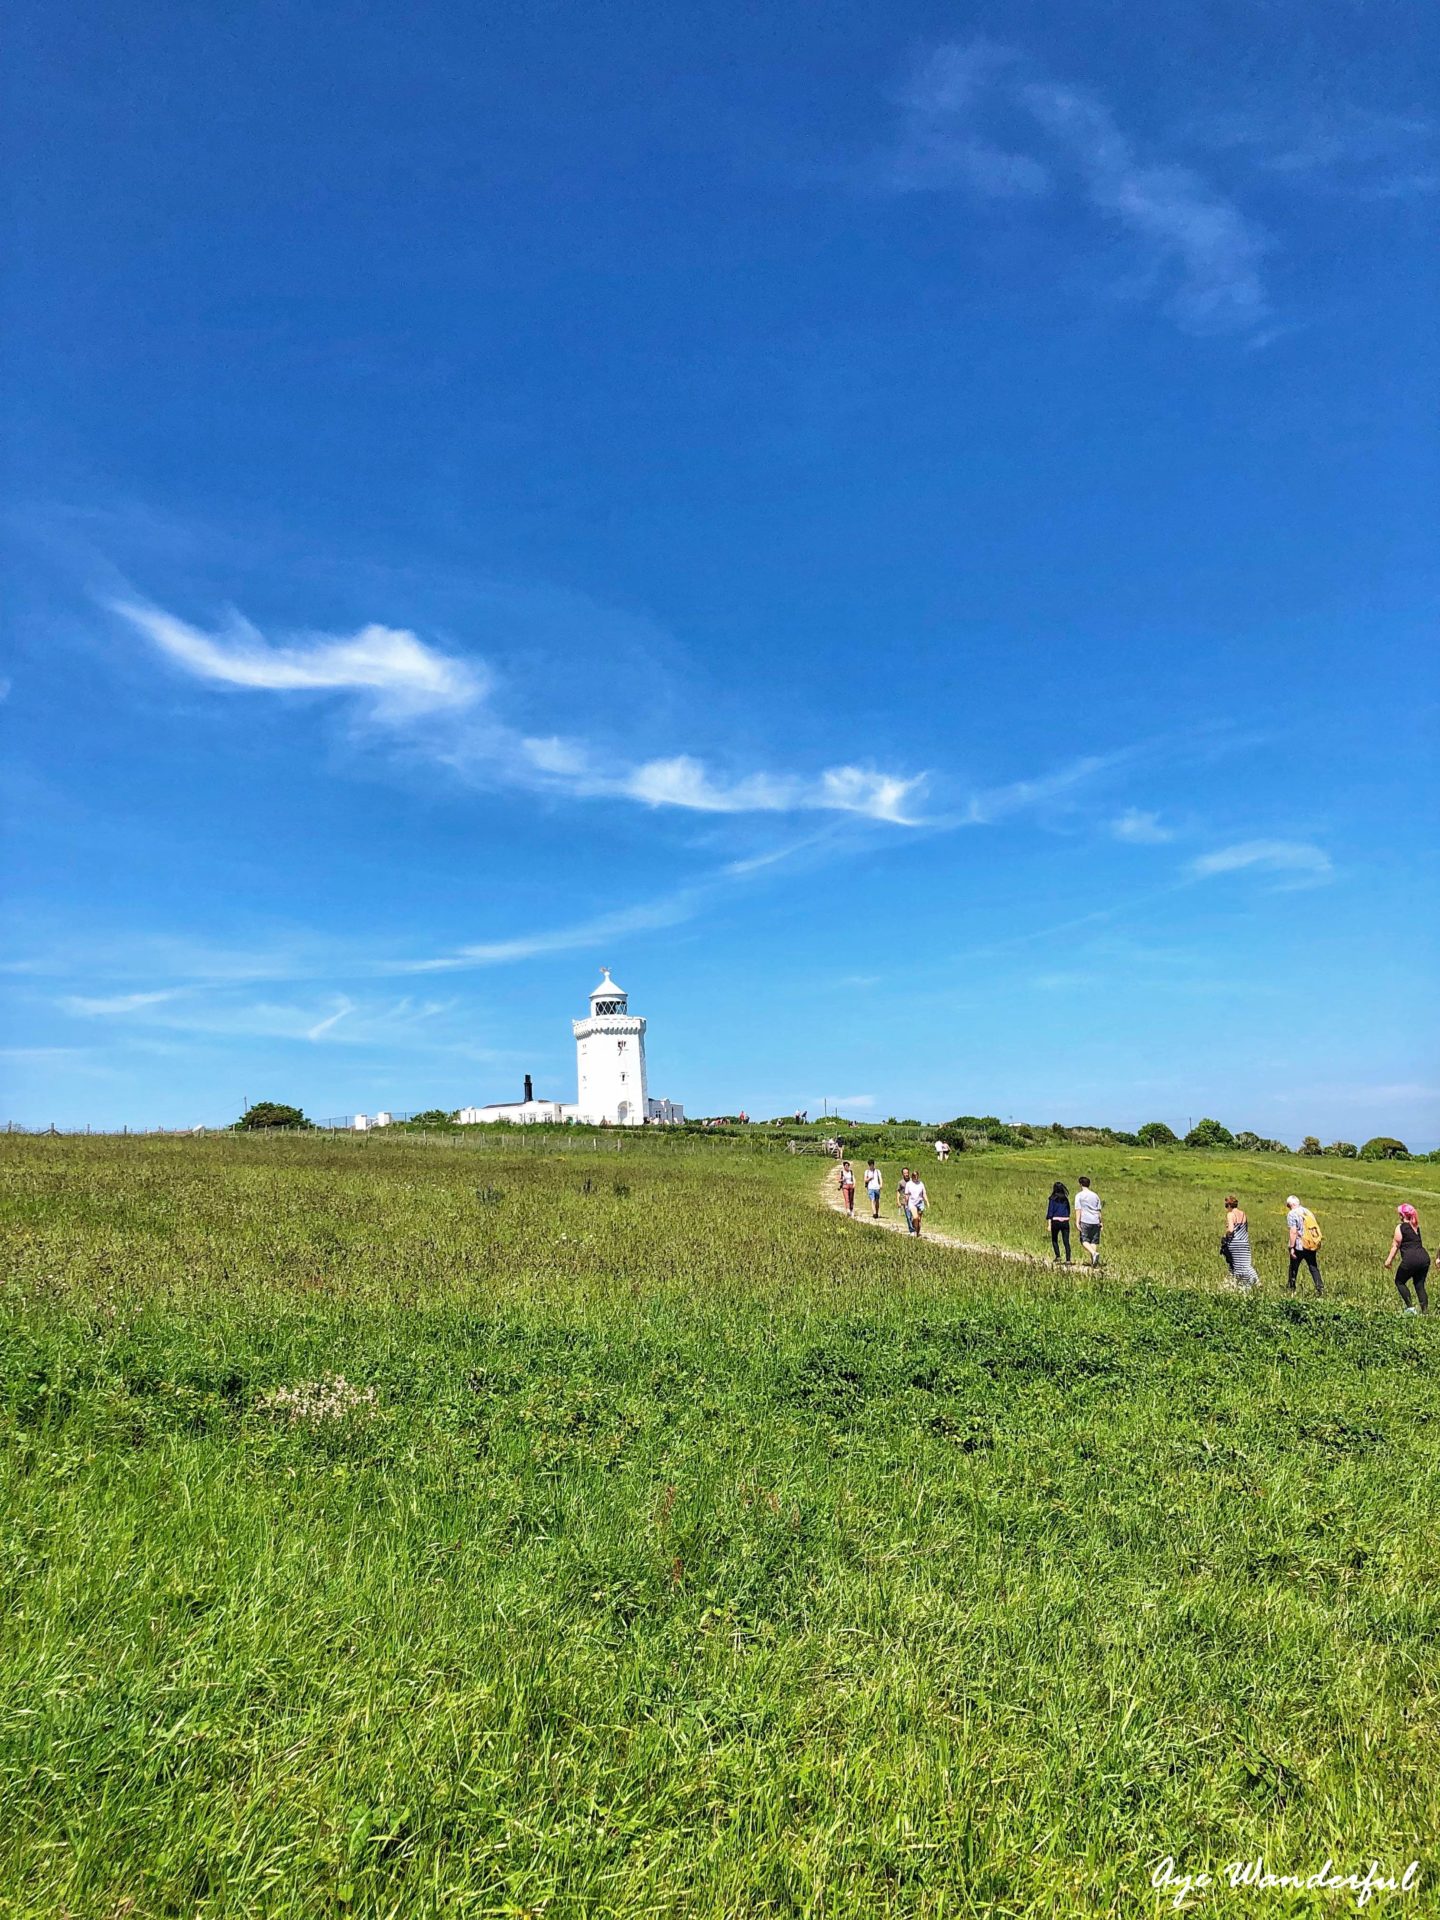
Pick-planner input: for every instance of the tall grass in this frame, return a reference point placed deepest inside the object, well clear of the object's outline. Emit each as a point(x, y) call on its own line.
point(679, 1548)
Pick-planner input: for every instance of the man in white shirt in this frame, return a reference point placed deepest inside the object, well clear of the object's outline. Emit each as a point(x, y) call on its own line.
point(874, 1181)
point(1088, 1209)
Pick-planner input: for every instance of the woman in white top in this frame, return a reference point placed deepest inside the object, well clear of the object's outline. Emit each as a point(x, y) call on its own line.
point(919, 1201)
point(847, 1185)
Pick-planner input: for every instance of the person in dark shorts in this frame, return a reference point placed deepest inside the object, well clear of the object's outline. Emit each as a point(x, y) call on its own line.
point(1088, 1210)
point(1057, 1218)
point(1409, 1249)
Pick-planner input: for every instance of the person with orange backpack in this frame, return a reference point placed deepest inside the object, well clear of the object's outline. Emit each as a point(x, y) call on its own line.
point(1305, 1239)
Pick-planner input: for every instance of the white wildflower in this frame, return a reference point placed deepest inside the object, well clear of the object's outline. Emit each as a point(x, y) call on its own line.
point(330, 1398)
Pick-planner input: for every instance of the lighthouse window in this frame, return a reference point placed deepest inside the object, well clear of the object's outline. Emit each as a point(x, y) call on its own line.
point(609, 1006)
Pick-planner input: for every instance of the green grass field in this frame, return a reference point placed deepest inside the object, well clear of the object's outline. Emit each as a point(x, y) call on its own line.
point(687, 1550)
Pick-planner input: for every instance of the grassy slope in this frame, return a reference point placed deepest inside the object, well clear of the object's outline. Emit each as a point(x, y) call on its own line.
point(707, 1555)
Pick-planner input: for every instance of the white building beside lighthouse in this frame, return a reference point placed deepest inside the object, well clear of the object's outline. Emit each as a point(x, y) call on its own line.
point(612, 1086)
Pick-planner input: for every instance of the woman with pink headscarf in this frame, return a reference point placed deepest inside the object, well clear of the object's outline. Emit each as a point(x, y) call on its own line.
point(1408, 1248)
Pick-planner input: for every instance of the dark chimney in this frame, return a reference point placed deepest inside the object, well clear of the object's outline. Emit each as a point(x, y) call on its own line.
point(529, 1088)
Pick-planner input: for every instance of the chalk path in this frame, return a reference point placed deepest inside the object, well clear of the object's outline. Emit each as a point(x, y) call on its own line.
point(894, 1222)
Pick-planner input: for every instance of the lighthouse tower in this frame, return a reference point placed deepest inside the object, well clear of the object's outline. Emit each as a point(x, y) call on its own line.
point(610, 1060)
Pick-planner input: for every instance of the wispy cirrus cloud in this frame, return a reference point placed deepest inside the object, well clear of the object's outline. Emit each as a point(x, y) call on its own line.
point(331, 1020)
point(397, 672)
point(1137, 828)
point(223, 1013)
point(993, 804)
point(650, 916)
point(1338, 148)
point(981, 117)
point(940, 146)
point(117, 1004)
point(443, 706)
point(1301, 860)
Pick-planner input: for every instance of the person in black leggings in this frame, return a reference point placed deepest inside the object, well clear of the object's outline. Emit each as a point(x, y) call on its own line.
point(1057, 1218)
point(1409, 1249)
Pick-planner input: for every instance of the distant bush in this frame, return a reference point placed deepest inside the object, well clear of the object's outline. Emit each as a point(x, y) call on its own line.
point(1209, 1133)
point(270, 1113)
point(1310, 1146)
point(1155, 1133)
point(1382, 1147)
point(1249, 1142)
point(981, 1126)
point(1342, 1150)
point(432, 1117)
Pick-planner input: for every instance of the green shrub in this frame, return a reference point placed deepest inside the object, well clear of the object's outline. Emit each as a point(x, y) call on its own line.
point(1383, 1147)
point(1209, 1133)
point(270, 1113)
point(1155, 1133)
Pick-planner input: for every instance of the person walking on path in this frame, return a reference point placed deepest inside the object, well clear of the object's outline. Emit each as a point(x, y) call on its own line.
point(1409, 1249)
point(902, 1196)
point(1088, 1209)
point(874, 1181)
point(847, 1185)
point(1057, 1218)
point(919, 1201)
point(1305, 1239)
point(1236, 1244)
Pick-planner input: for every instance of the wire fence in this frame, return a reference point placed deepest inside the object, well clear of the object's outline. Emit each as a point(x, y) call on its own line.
point(491, 1137)
point(106, 1133)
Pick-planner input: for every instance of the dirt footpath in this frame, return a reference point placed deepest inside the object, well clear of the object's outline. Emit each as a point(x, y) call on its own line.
point(893, 1221)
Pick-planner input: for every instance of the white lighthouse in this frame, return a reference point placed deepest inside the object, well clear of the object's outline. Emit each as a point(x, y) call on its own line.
point(610, 1060)
point(610, 1066)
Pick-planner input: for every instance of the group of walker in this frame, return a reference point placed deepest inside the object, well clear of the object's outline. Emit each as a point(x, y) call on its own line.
point(1304, 1240)
point(1086, 1214)
point(910, 1195)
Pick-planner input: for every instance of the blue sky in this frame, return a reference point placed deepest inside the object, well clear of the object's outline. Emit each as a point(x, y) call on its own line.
point(905, 532)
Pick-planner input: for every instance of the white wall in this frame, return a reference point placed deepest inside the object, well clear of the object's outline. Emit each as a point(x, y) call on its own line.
point(610, 1070)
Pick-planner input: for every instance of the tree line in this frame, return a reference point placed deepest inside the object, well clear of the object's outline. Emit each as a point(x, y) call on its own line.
point(977, 1129)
